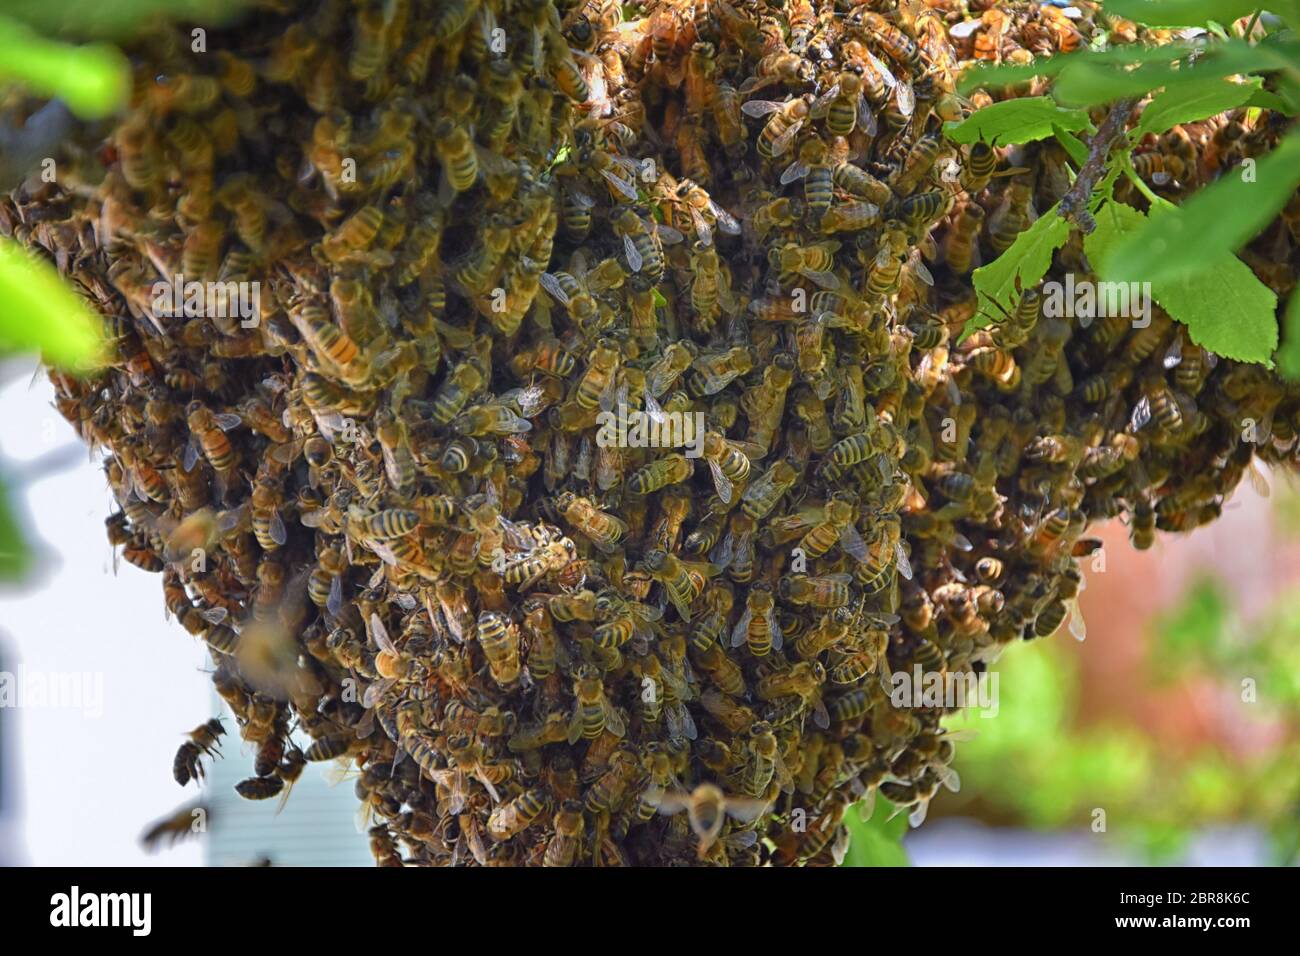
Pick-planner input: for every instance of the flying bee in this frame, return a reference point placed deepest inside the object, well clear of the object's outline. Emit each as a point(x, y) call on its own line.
point(707, 809)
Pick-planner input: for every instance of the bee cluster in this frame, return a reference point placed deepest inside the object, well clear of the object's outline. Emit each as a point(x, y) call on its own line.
point(479, 228)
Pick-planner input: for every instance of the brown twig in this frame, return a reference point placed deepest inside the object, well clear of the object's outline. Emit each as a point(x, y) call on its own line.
point(1074, 206)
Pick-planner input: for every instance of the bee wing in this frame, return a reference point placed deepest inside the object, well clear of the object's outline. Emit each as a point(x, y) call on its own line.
point(687, 722)
point(922, 271)
point(796, 170)
point(726, 221)
point(227, 421)
point(278, 533)
point(744, 809)
point(645, 612)
point(376, 691)
point(334, 603)
point(1257, 481)
point(384, 551)
point(672, 802)
point(852, 544)
point(821, 106)
point(757, 108)
point(191, 456)
point(214, 615)
point(634, 259)
point(721, 482)
point(667, 234)
point(380, 633)
point(724, 552)
point(882, 70)
point(905, 97)
point(552, 285)
point(820, 716)
point(784, 141)
point(778, 639)
point(614, 720)
point(531, 400)
point(827, 280)
point(866, 116)
point(950, 778)
point(232, 518)
point(740, 840)
point(703, 230)
point(652, 407)
point(575, 724)
point(900, 559)
point(1141, 414)
point(1078, 628)
point(917, 816)
point(740, 633)
point(625, 188)
point(965, 28)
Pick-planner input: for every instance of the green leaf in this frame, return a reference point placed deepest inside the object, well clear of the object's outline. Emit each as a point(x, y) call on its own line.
point(15, 560)
point(1196, 100)
point(1215, 221)
point(1181, 13)
point(39, 312)
point(1264, 100)
point(1288, 356)
point(1017, 121)
point(1089, 83)
point(878, 841)
point(1075, 147)
point(115, 18)
point(1225, 307)
point(93, 80)
point(1090, 79)
point(987, 75)
point(1000, 284)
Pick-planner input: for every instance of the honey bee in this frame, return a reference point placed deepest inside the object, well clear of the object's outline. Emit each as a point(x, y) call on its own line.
point(208, 435)
point(707, 809)
point(783, 124)
point(758, 627)
point(593, 714)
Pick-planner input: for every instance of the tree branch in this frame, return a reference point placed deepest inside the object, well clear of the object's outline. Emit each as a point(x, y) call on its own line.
point(1074, 206)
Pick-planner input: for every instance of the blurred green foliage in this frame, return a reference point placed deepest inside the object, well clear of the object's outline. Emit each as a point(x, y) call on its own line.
point(1035, 765)
point(112, 19)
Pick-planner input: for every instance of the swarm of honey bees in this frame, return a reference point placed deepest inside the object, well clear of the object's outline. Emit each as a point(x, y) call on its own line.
point(480, 227)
